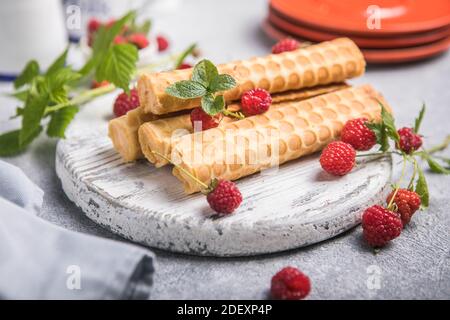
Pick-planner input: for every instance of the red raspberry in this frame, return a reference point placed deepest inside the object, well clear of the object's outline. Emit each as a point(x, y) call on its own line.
point(225, 197)
point(206, 121)
point(139, 40)
point(120, 40)
point(255, 101)
point(163, 44)
point(95, 84)
point(409, 141)
point(358, 135)
point(338, 158)
point(125, 103)
point(287, 44)
point(93, 25)
point(380, 226)
point(290, 284)
point(184, 66)
point(407, 203)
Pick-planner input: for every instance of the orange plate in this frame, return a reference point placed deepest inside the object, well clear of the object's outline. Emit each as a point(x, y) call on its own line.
point(384, 56)
point(310, 33)
point(397, 16)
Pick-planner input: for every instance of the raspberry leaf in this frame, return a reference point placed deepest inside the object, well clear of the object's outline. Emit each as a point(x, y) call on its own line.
point(58, 64)
point(60, 120)
point(389, 124)
point(184, 55)
point(30, 71)
point(205, 73)
point(223, 82)
point(10, 144)
point(419, 119)
point(118, 66)
point(380, 133)
point(435, 166)
point(422, 188)
point(186, 89)
point(213, 105)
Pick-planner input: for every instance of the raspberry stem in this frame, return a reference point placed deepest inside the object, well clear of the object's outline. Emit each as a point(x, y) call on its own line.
point(397, 187)
point(237, 115)
point(190, 175)
point(377, 154)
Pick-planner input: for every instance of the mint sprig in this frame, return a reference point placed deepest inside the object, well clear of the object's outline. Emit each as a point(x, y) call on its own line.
point(205, 82)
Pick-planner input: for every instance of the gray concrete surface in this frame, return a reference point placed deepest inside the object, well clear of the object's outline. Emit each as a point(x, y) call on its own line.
point(416, 265)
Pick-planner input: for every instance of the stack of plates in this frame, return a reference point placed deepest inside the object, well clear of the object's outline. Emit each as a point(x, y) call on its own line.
point(391, 31)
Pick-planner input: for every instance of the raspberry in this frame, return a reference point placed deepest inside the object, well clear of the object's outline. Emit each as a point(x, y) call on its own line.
point(120, 40)
point(206, 121)
point(380, 226)
point(358, 135)
point(125, 103)
point(184, 66)
point(407, 203)
point(338, 158)
point(94, 25)
point(287, 44)
point(163, 44)
point(290, 284)
point(225, 197)
point(409, 141)
point(95, 84)
point(139, 40)
point(255, 101)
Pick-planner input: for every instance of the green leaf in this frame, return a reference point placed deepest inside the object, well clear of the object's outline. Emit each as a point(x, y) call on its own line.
point(205, 73)
point(58, 83)
point(143, 27)
point(223, 82)
point(10, 142)
point(60, 120)
point(213, 105)
point(33, 112)
point(419, 119)
point(184, 55)
point(388, 121)
point(30, 71)
point(186, 89)
point(58, 64)
point(381, 135)
point(435, 166)
point(118, 66)
point(20, 95)
point(422, 188)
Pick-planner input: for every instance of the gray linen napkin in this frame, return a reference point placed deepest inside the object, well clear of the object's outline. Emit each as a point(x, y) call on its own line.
point(39, 260)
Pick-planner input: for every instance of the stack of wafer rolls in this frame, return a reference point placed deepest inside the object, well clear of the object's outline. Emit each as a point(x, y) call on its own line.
point(285, 133)
point(161, 135)
point(324, 63)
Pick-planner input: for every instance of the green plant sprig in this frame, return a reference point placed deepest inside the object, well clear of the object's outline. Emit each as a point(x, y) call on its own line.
point(206, 83)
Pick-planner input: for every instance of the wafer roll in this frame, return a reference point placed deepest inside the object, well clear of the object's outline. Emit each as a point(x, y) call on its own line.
point(288, 132)
point(161, 135)
point(328, 62)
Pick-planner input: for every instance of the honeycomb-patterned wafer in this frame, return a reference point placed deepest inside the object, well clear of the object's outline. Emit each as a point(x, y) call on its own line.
point(324, 63)
point(123, 132)
point(161, 135)
point(288, 132)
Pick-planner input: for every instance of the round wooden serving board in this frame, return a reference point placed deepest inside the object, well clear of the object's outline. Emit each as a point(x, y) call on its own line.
point(295, 205)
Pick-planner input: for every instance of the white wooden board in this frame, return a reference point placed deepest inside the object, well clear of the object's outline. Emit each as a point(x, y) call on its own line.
point(296, 206)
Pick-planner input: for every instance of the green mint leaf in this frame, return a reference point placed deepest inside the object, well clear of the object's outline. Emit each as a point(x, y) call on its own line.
point(60, 120)
point(381, 136)
point(388, 122)
point(30, 71)
point(205, 73)
point(223, 82)
point(422, 188)
point(103, 42)
point(186, 89)
point(118, 66)
point(33, 111)
point(10, 144)
point(58, 64)
point(435, 166)
point(20, 95)
point(213, 105)
point(419, 119)
point(184, 55)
